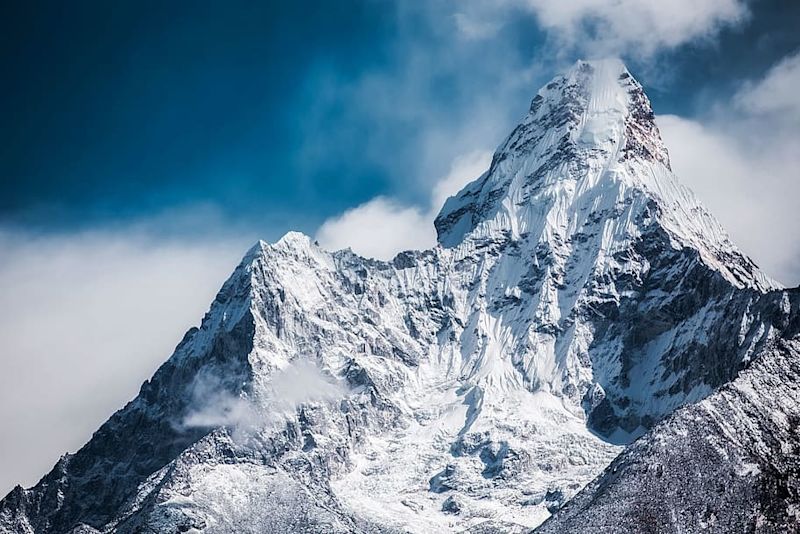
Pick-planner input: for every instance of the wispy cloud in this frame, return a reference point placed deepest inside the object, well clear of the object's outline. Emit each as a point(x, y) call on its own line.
point(473, 27)
point(270, 403)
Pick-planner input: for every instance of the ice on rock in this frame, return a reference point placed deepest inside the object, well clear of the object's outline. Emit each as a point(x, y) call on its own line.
point(578, 295)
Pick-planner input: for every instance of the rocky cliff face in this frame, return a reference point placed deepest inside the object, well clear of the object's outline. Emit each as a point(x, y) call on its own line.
point(579, 294)
point(730, 463)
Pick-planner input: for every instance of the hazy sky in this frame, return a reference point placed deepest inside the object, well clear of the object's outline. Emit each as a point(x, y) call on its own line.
point(146, 145)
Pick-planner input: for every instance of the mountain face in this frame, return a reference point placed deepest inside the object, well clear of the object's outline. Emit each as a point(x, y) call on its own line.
point(730, 463)
point(579, 298)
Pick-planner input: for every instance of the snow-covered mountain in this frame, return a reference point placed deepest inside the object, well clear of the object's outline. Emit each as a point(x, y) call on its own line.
point(579, 294)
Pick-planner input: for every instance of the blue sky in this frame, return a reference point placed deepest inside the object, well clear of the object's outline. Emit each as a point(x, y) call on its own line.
point(146, 145)
point(276, 116)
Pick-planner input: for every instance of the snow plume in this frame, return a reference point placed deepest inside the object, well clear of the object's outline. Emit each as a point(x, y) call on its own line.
point(288, 389)
point(214, 405)
point(300, 383)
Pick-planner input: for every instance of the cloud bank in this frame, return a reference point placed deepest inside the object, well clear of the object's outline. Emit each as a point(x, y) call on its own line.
point(85, 318)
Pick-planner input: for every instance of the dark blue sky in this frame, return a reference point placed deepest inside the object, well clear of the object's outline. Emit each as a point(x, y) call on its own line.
point(278, 115)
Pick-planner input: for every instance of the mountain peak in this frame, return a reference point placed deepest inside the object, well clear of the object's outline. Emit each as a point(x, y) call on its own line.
point(610, 63)
point(612, 67)
point(294, 240)
point(587, 157)
point(612, 108)
point(585, 123)
point(597, 73)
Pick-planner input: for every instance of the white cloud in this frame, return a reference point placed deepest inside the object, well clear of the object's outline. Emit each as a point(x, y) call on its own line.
point(381, 227)
point(463, 170)
point(643, 27)
point(85, 318)
point(776, 94)
point(299, 383)
point(743, 163)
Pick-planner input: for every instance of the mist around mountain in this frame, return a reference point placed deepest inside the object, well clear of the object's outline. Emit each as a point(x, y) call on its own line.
point(584, 350)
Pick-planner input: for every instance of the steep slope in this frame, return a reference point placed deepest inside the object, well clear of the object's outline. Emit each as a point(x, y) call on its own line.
point(578, 295)
point(92, 485)
point(727, 464)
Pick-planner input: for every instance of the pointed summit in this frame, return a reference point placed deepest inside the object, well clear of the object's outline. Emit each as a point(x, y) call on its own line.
point(587, 157)
point(613, 99)
point(590, 119)
point(599, 104)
